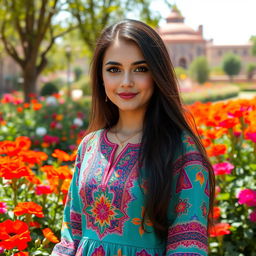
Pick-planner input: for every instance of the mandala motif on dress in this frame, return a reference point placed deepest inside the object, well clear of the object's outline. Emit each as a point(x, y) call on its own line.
point(189, 235)
point(102, 213)
point(105, 205)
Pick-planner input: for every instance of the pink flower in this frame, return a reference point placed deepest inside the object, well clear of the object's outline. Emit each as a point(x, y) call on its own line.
point(248, 197)
point(43, 190)
point(252, 216)
point(51, 139)
point(1, 249)
point(223, 168)
point(3, 208)
point(251, 136)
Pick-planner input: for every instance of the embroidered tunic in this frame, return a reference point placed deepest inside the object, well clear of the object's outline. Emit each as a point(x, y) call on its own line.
point(105, 204)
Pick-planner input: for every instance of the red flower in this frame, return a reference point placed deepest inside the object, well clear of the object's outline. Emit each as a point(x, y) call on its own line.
point(216, 212)
point(220, 229)
point(28, 208)
point(252, 216)
point(14, 234)
point(43, 190)
point(228, 123)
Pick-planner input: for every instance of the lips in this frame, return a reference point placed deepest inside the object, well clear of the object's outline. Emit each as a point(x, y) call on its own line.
point(127, 95)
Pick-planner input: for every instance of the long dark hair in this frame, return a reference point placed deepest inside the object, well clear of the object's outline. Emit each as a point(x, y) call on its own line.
point(164, 121)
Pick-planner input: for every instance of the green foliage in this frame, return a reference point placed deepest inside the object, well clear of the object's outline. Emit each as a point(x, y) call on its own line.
point(199, 70)
point(217, 71)
point(250, 70)
point(49, 88)
point(231, 64)
point(78, 73)
point(253, 49)
point(93, 16)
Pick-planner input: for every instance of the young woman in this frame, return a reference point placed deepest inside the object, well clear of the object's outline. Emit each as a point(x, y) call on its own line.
point(142, 183)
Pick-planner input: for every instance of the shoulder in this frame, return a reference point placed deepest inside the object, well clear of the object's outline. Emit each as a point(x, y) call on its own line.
point(189, 154)
point(89, 139)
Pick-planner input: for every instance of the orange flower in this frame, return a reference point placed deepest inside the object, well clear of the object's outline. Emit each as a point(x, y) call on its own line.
point(19, 109)
point(48, 234)
point(37, 106)
point(21, 254)
point(23, 142)
point(12, 168)
point(14, 234)
point(216, 150)
point(61, 155)
point(220, 229)
point(28, 208)
point(33, 157)
point(62, 172)
point(9, 148)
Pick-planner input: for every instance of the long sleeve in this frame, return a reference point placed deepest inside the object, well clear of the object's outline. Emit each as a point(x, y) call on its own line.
point(187, 233)
point(71, 230)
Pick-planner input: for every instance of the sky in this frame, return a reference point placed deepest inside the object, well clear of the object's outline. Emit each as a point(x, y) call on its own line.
point(224, 21)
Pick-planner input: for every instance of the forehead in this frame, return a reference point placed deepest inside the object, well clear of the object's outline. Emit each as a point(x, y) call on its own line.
point(123, 51)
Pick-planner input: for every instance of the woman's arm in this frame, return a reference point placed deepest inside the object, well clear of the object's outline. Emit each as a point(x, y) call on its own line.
point(188, 211)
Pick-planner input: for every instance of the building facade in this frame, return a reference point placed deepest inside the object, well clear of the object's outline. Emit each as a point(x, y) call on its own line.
point(184, 44)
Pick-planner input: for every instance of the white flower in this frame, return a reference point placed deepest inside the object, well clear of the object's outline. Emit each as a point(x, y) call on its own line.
point(51, 101)
point(41, 131)
point(78, 122)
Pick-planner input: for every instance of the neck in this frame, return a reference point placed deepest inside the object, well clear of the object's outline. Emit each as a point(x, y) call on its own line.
point(129, 122)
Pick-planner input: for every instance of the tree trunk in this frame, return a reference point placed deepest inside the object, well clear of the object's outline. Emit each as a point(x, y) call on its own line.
point(29, 83)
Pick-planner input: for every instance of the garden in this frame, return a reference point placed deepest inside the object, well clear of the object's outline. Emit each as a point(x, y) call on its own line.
point(37, 152)
point(44, 114)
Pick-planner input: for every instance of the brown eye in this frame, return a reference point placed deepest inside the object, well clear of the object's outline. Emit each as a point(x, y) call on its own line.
point(113, 70)
point(141, 69)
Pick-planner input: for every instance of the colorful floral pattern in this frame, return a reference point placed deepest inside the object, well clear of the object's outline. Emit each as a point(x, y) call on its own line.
point(105, 205)
point(103, 213)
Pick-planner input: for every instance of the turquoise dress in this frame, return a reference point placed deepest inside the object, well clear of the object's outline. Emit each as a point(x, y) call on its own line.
point(105, 204)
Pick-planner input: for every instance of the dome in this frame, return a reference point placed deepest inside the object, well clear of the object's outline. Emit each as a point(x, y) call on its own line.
point(176, 30)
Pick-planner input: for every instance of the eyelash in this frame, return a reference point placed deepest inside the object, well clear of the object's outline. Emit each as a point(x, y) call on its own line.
point(142, 69)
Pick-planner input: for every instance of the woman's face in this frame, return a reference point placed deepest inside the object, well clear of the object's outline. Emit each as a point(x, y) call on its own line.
point(126, 76)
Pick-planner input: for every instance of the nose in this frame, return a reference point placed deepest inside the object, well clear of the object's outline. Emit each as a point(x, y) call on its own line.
point(127, 79)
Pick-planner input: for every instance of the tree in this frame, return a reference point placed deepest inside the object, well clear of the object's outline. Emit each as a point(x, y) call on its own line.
point(199, 70)
point(28, 31)
point(93, 15)
point(250, 70)
point(231, 65)
point(253, 49)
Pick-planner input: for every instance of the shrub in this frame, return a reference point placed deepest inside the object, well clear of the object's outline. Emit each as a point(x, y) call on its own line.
point(199, 70)
point(231, 65)
point(49, 88)
point(84, 85)
point(78, 73)
point(251, 68)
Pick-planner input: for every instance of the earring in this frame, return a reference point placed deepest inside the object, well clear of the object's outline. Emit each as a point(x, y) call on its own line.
point(106, 99)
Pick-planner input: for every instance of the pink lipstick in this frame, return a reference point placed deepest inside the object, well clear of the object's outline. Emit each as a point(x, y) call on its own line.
point(127, 95)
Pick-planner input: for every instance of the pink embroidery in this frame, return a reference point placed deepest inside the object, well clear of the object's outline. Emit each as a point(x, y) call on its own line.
point(183, 181)
point(143, 253)
point(190, 234)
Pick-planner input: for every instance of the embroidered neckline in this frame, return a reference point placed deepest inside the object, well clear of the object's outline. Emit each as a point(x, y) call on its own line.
point(113, 144)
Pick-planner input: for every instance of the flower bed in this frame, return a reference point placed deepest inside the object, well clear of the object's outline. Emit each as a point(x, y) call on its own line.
point(209, 93)
point(35, 176)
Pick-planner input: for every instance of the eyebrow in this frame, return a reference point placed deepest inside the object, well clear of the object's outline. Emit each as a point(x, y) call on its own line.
point(119, 64)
